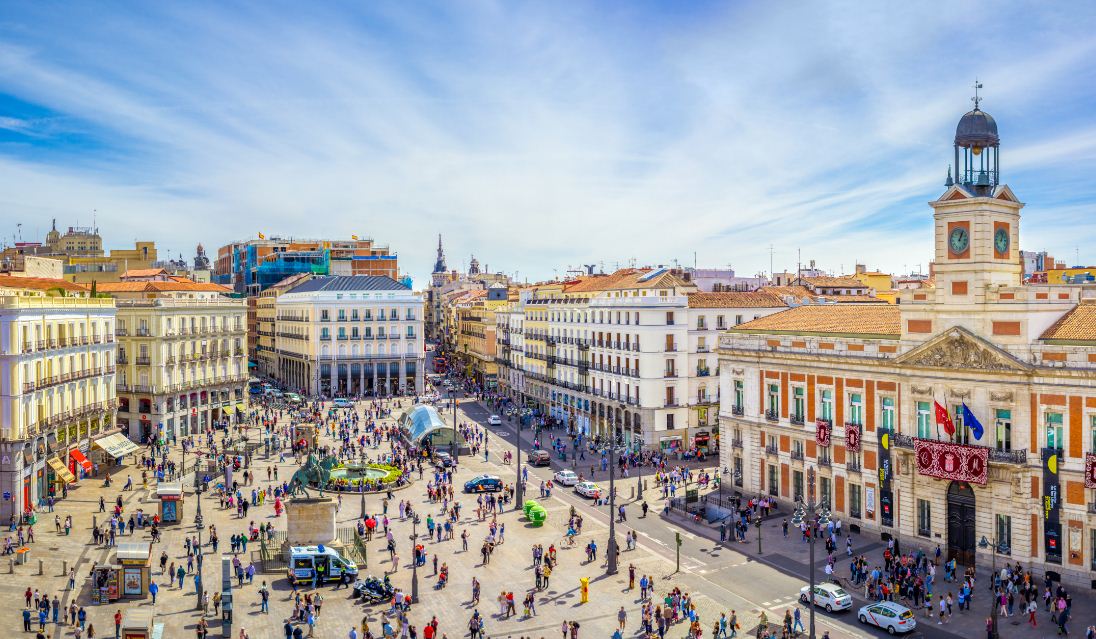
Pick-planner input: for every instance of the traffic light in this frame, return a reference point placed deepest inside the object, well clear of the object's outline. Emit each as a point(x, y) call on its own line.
point(677, 536)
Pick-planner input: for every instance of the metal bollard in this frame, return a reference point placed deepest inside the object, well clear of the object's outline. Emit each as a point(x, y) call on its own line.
point(11, 566)
point(41, 567)
point(64, 567)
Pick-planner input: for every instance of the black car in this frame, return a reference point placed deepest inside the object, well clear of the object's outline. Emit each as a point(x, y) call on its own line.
point(443, 459)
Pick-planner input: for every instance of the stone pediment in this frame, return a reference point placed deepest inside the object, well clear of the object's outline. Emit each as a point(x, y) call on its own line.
point(958, 348)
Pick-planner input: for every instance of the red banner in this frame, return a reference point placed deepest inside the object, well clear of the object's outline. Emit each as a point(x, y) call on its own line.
point(852, 438)
point(822, 432)
point(952, 461)
point(1090, 470)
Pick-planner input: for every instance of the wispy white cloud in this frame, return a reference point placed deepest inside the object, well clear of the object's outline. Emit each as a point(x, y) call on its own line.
point(535, 135)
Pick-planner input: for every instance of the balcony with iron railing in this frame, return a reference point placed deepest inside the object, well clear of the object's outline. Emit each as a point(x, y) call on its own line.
point(143, 360)
point(772, 415)
point(825, 461)
point(669, 373)
point(853, 465)
point(736, 443)
point(797, 455)
point(1014, 456)
point(703, 372)
point(796, 419)
point(738, 411)
point(772, 449)
point(671, 402)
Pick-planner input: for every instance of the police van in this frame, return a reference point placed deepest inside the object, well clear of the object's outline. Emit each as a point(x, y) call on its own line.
point(327, 563)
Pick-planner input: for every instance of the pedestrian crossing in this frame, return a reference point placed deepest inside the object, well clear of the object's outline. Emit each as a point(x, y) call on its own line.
point(779, 601)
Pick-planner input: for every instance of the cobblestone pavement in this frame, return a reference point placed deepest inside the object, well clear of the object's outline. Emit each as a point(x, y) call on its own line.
point(723, 576)
point(510, 567)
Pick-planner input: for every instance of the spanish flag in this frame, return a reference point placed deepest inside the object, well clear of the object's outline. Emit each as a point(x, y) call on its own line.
point(261, 236)
point(353, 237)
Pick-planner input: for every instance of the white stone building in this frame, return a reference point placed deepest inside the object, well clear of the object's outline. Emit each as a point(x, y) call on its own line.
point(57, 398)
point(351, 336)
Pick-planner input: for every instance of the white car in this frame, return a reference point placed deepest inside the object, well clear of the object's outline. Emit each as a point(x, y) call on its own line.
point(565, 478)
point(588, 489)
point(829, 596)
point(892, 617)
point(494, 420)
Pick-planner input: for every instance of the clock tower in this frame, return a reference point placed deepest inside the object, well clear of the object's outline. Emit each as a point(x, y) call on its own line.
point(977, 220)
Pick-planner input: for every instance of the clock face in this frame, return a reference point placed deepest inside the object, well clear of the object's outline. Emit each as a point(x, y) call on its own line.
point(1000, 241)
point(959, 240)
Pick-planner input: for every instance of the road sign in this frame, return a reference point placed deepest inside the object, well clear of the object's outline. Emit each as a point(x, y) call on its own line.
point(7, 495)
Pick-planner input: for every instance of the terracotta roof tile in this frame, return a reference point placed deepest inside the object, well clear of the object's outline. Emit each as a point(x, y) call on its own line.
point(1078, 324)
point(736, 299)
point(40, 284)
point(825, 280)
point(847, 319)
point(626, 278)
point(170, 286)
point(144, 272)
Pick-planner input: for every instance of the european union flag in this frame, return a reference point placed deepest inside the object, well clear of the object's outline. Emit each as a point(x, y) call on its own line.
point(972, 422)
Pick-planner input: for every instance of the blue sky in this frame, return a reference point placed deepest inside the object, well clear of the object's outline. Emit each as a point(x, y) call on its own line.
point(540, 135)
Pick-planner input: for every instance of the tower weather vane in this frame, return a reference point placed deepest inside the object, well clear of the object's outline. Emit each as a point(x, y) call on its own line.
point(976, 99)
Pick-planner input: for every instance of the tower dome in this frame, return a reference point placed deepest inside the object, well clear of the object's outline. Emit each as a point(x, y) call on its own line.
point(977, 150)
point(977, 129)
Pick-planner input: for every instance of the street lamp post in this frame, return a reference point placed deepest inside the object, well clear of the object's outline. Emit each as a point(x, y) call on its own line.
point(757, 522)
point(996, 547)
point(517, 469)
point(414, 560)
point(809, 507)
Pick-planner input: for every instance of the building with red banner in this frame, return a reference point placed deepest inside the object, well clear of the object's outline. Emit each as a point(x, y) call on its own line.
point(852, 390)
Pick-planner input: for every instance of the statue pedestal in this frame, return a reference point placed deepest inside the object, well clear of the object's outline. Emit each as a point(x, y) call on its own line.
point(311, 521)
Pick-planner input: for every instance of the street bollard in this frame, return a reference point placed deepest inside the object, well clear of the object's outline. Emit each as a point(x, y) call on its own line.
point(41, 567)
point(11, 566)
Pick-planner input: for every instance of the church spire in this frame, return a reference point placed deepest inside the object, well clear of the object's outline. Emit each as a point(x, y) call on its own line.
point(439, 265)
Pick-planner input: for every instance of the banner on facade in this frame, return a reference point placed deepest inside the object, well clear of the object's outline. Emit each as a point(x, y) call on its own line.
point(956, 462)
point(1090, 470)
point(822, 433)
point(852, 438)
point(1052, 505)
point(886, 497)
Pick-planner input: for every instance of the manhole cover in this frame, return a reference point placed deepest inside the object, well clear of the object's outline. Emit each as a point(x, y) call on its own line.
point(56, 548)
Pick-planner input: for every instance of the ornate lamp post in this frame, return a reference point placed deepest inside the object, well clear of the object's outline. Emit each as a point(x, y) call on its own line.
point(611, 547)
point(453, 448)
point(810, 507)
point(997, 547)
point(199, 525)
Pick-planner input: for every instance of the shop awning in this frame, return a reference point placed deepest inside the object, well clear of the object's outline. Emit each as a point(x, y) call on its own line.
point(240, 408)
point(116, 445)
point(80, 459)
point(62, 471)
